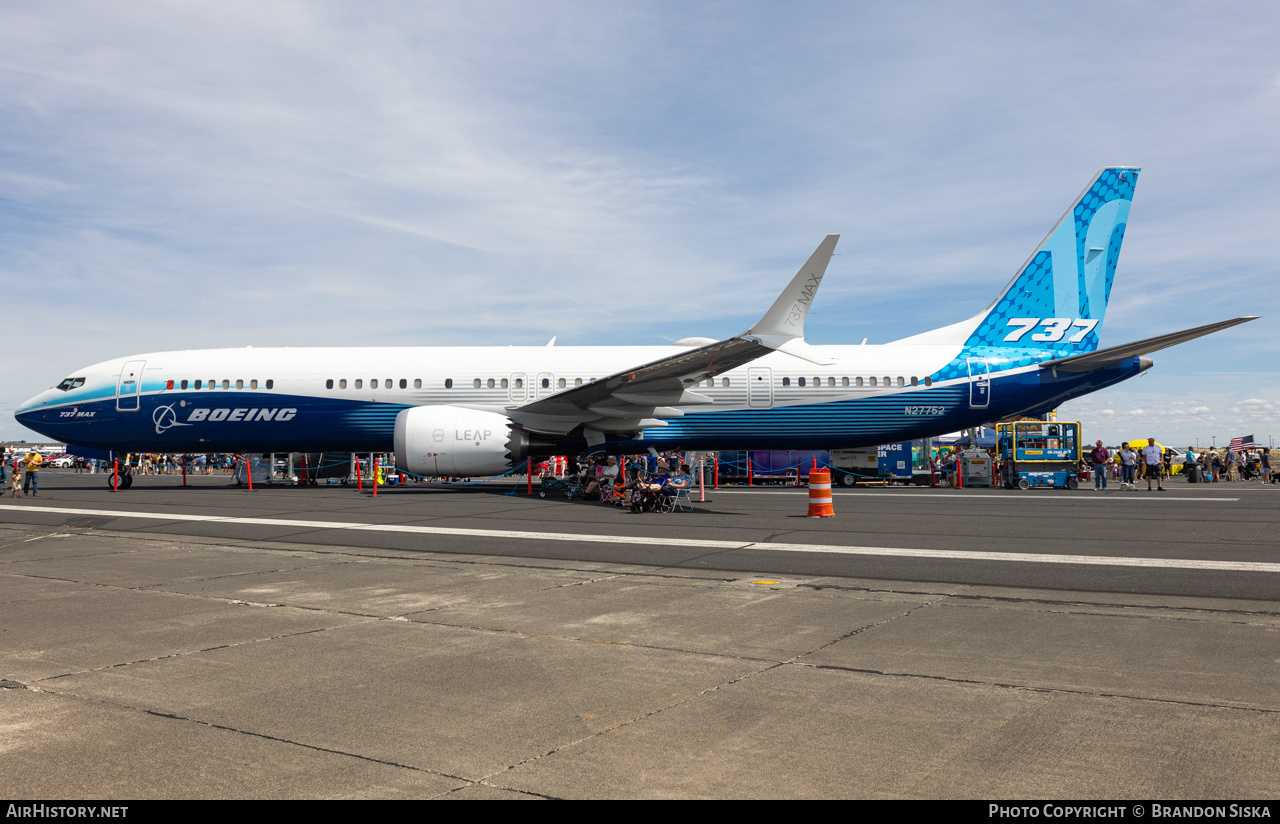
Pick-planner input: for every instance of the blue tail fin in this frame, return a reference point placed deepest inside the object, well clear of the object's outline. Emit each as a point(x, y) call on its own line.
point(1058, 298)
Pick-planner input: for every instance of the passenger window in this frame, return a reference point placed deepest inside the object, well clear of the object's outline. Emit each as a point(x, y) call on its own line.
point(901, 382)
point(817, 382)
point(417, 383)
point(873, 381)
point(887, 382)
point(475, 384)
point(928, 381)
point(239, 384)
point(253, 384)
point(546, 383)
point(359, 383)
point(504, 383)
point(184, 384)
point(724, 382)
point(387, 383)
point(577, 381)
point(272, 384)
point(844, 381)
point(404, 384)
point(800, 382)
point(342, 383)
point(560, 383)
point(915, 381)
point(226, 384)
point(831, 382)
point(711, 382)
point(489, 384)
point(197, 384)
point(373, 384)
point(519, 383)
point(786, 381)
point(448, 383)
point(858, 381)
point(328, 384)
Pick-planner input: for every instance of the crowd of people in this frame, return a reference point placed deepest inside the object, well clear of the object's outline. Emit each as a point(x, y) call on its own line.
point(639, 486)
point(1147, 461)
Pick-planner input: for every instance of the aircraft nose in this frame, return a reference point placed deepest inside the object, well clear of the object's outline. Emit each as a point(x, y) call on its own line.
point(27, 410)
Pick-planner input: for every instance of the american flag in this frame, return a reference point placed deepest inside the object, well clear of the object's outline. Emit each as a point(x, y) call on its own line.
point(1241, 443)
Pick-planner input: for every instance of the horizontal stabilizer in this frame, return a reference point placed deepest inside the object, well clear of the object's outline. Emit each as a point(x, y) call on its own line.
point(1111, 356)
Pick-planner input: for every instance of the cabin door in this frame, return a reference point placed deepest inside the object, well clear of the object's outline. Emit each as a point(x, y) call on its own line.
point(979, 383)
point(760, 387)
point(129, 387)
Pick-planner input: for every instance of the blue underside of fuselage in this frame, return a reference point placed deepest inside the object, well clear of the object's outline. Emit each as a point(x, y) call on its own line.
point(259, 422)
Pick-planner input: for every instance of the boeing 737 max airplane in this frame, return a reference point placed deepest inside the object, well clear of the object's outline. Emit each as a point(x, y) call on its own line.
point(482, 410)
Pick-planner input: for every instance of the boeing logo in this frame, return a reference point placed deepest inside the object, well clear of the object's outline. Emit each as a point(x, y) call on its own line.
point(165, 418)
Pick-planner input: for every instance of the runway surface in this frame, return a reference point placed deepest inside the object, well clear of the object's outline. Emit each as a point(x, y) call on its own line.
point(466, 642)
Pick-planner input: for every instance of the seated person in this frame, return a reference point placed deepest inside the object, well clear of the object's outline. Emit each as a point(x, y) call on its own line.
point(659, 481)
point(603, 481)
point(678, 481)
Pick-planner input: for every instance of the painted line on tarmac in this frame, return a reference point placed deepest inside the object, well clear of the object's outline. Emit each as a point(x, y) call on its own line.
point(954, 496)
point(688, 543)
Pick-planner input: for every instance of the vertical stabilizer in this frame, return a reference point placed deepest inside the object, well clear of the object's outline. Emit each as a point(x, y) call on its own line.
point(1059, 296)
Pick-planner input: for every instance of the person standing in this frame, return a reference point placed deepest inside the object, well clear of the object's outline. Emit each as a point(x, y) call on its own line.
point(31, 473)
point(1128, 463)
point(1099, 456)
point(1264, 466)
point(1151, 464)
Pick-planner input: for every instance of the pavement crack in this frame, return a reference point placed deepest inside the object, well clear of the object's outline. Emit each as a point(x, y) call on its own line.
point(293, 743)
point(180, 654)
point(859, 630)
point(629, 721)
point(1045, 689)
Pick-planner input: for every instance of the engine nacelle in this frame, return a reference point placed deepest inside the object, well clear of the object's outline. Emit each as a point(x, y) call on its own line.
point(453, 441)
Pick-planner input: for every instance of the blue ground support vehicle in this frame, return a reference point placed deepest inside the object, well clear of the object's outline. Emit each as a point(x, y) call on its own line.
point(1039, 453)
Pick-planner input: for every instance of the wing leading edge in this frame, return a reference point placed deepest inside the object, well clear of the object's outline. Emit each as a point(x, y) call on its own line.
point(644, 396)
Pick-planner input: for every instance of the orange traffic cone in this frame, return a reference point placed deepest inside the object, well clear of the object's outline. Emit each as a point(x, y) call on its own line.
point(820, 494)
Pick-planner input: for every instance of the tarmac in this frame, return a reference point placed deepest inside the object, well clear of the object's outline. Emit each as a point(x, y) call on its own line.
point(466, 642)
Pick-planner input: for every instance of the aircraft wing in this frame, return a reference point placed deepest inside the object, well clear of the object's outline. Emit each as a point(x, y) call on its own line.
point(1113, 355)
point(647, 394)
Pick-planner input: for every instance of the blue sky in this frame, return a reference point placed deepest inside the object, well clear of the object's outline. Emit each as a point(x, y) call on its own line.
point(182, 175)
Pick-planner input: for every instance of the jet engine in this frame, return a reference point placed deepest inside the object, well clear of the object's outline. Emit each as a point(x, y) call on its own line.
point(454, 441)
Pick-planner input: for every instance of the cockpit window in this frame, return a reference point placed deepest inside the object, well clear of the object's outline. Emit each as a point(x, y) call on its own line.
point(71, 383)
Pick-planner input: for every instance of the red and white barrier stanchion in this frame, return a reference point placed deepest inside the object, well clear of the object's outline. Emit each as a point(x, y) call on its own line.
point(248, 470)
point(716, 483)
point(375, 476)
point(115, 477)
point(820, 494)
point(748, 469)
point(528, 471)
point(359, 477)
